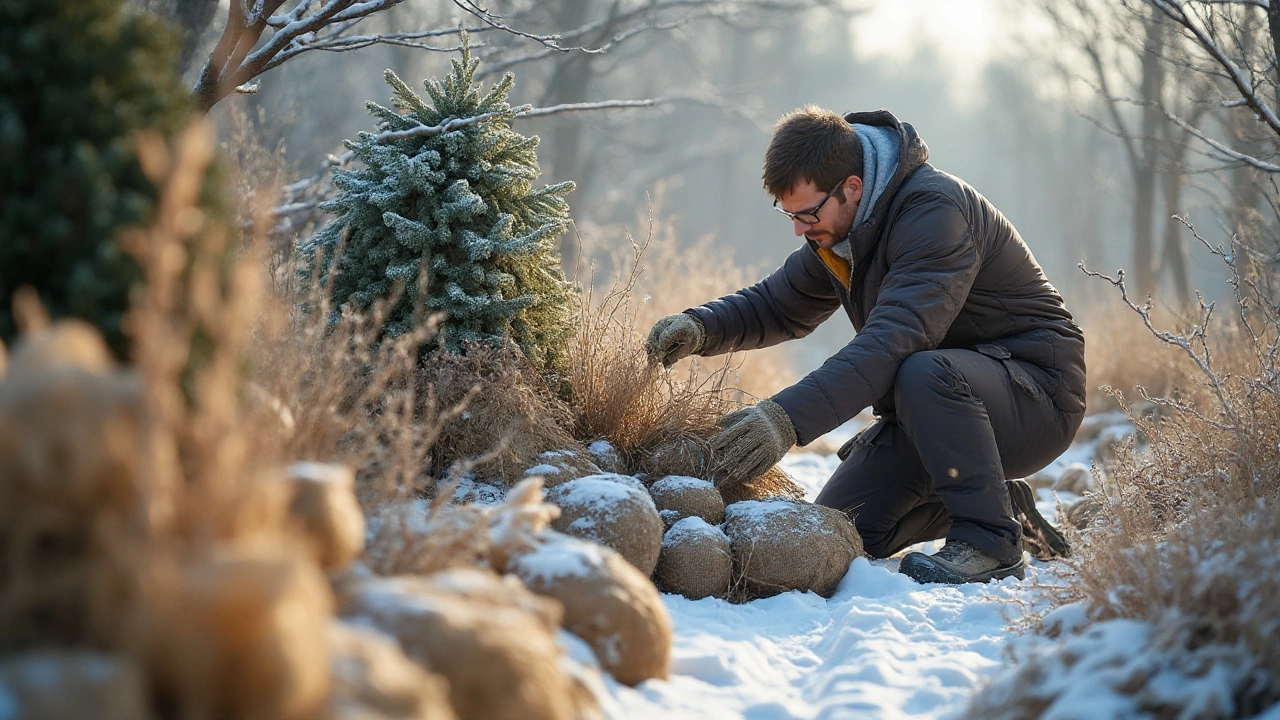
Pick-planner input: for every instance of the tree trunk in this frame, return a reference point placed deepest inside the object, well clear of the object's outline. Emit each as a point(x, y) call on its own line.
point(1175, 245)
point(1153, 74)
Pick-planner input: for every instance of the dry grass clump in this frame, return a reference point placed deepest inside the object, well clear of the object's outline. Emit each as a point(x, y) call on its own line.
point(511, 415)
point(1122, 355)
point(1185, 539)
point(144, 511)
point(660, 420)
point(337, 395)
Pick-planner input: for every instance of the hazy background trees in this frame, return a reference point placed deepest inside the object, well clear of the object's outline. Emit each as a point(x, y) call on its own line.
point(1080, 119)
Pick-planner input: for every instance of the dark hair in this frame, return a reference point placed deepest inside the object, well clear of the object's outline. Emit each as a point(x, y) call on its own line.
point(812, 144)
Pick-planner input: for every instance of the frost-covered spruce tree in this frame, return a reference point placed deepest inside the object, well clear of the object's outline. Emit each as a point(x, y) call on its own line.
point(458, 208)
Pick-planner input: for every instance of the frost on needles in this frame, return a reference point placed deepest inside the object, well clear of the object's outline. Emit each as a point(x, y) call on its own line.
point(459, 209)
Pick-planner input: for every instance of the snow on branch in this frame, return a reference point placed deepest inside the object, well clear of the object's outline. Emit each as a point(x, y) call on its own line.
point(526, 111)
point(1220, 146)
point(1238, 76)
point(259, 35)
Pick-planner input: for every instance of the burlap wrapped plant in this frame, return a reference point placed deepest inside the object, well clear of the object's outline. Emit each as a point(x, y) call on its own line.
point(557, 467)
point(615, 511)
point(787, 544)
point(372, 678)
point(241, 632)
point(607, 603)
point(494, 641)
point(695, 561)
point(326, 513)
point(679, 496)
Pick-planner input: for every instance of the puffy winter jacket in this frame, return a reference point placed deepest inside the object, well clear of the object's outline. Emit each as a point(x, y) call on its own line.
point(935, 265)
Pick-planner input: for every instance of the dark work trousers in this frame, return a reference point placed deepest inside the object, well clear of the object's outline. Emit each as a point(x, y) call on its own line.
point(964, 422)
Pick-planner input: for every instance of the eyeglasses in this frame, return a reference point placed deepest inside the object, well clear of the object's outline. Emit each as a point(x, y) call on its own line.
point(809, 217)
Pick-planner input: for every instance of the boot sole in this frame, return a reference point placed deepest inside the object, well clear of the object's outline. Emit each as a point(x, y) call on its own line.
point(923, 569)
point(1053, 543)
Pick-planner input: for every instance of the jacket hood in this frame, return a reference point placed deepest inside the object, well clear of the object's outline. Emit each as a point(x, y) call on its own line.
point(912, 153)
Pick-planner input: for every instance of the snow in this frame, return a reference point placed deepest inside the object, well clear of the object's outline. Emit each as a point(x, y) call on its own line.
point(881, 647)
point(543, 469)
point(681, 482)
point(603, 492)
point(562, 557)
point(688, 527)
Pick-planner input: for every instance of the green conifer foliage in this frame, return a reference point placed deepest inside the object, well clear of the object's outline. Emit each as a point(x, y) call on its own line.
point(459, 208)
point(78, 78)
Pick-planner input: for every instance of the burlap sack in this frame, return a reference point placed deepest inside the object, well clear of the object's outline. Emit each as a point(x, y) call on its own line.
point(557, 467)
point(70, 685)
point(607, 603)
point(688, 497)
point(70, 426)
point(787, 544)
point(372, 678)
point(492, 640)
point(1085, 511)
point(325, 512)
point(695, 561)
point(615, 511)
point(606, 456)
point(242, 632)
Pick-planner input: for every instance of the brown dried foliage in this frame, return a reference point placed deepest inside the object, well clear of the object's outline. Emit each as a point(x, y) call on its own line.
point(660, 420)
point(512, 416)
point(155, 523)
point(1187, 531)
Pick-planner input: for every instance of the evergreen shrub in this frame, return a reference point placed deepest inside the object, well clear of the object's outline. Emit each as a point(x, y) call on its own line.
point(78, 79)
point(453, 216)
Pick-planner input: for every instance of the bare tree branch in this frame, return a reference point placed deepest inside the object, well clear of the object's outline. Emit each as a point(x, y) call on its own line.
point(1248, 92)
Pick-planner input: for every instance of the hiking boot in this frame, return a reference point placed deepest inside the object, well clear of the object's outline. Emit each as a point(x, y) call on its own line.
point(1042, 540)
point(957, 562)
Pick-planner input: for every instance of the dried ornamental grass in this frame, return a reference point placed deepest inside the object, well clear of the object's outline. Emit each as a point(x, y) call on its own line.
point(511, 416)
point(1179, 540)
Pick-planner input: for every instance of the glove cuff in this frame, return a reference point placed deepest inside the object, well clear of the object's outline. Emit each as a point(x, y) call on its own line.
point(702, 331)
point(781, 421)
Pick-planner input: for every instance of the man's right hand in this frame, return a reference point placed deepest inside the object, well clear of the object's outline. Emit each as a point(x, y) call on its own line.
point(673, 338)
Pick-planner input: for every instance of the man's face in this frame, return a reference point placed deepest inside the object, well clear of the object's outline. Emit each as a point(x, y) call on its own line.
point(835, 217)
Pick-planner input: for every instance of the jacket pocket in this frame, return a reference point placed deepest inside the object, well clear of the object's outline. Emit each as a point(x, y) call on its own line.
point(1018, 375)
point(864, 437)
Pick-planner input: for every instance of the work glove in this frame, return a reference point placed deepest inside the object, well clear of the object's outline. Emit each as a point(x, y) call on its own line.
point(673, 338)
point(751, 441)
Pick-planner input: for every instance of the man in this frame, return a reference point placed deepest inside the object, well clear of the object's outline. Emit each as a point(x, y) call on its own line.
point(964, 350)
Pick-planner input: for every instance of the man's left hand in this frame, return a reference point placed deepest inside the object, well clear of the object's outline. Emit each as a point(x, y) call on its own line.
point(751, 441)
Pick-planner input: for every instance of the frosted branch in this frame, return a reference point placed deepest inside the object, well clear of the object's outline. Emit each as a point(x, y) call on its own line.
point(1176, 11)
point(525, 111)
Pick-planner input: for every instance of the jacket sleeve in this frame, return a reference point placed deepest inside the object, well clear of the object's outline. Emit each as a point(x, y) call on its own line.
point(788, 304)
point(932, 263)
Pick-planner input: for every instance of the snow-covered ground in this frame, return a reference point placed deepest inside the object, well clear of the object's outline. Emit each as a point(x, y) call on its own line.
point(881, 647)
